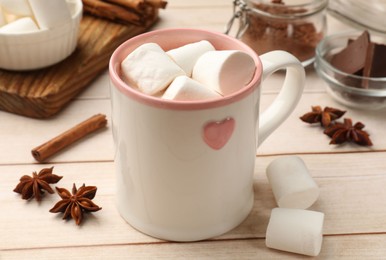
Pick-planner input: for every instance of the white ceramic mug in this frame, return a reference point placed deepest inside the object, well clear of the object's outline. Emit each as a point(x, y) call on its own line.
point(185, 169)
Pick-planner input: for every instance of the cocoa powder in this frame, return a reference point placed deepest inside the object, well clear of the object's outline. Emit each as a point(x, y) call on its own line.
point(294, 35)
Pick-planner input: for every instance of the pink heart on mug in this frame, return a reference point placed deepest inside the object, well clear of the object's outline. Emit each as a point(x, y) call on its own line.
point(217, 133)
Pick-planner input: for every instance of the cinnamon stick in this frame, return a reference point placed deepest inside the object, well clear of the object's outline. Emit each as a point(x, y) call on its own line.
point(131, 4)
point(137, 12)
point(157, 3)
point(49, 148)
point(137, 5)
point(112, 12)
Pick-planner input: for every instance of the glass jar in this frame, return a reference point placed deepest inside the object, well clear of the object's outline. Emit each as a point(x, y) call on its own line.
point(363, 14)
point(295, 26)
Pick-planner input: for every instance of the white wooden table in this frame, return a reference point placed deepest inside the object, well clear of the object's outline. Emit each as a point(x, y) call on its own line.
point(352, 179)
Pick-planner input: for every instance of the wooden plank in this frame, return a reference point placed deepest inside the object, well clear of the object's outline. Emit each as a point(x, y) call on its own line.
point(201, 18)
point(42, 93)
point(352, 179)
point(353, 203)
point(20, 134)
point(295, 136)
point(99, 89)
point(334, 165)
point(204, 4)
point(334, 247)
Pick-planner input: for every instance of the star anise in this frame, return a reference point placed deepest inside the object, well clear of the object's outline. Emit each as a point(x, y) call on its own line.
point(325, 117)
point(33, 186)
point(75, 204)
point(347, 132)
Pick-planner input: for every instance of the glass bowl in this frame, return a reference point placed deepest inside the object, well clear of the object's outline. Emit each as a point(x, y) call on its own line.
point(346, 88)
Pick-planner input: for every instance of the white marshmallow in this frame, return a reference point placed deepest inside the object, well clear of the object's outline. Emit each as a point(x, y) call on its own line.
point(23, 25)
point(187, 55)
point(292, 185)
point(2, 17)
point(50, 13)
point(150, 69)
point(224, 71)
point(295, 230)
point(186, 89)
point(9, 18)
point(16, 7)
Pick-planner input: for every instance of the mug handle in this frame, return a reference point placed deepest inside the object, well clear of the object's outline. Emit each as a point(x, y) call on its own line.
point(289, 95)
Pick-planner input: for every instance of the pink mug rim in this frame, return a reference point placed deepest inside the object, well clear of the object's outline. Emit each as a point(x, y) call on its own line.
point(116, 59)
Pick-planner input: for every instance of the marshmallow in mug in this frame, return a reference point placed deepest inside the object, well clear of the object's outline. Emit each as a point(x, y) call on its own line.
point(223, 72)
point(150, 69)
point(186, 89)
point(295, 230)
point(187, 55)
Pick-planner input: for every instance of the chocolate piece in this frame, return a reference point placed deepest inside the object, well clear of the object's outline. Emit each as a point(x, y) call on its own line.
point(352, 58)
point(375, 65)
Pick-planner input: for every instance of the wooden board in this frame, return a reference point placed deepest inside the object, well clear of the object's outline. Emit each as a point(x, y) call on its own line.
point(43, 93)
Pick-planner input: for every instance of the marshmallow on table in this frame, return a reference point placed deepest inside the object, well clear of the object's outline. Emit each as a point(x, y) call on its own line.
point(291, 183)
point(224, 71)
point(16, 7)
point(295, 230)
point(23, 25)
point(150, 69)
point(187, 55)
point(187, 89)
point(50, 13)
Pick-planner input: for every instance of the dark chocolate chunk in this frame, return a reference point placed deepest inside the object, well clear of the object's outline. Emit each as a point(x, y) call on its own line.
point(352, 58)
point(375, 65)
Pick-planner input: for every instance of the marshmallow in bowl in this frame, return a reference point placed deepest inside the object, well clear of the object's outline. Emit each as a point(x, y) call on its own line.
point(22, 48)
point(2, 17)
point(187, 55)
point(150, 69)
point(295, 230)
point(50, 14)
point(184, 88)
point(24, 16)
point(16, 7)
point(224, 71)
point(22, 25)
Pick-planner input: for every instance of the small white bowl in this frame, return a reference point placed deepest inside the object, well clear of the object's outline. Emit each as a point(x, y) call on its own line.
point(35, 50)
